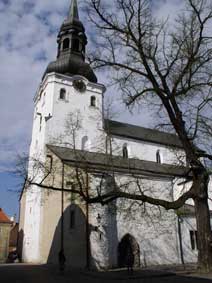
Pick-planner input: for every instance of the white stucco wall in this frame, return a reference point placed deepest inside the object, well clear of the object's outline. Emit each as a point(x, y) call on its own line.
point(159, 248)
point(54, 130)
point(154, 228)
point(90, 118)
point(146, 150)
point(32, 226)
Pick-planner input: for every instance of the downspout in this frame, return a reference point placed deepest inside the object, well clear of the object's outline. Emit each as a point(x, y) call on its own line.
point(62, 209)
point(179, 220)
point(87, 228)
point(61, 255)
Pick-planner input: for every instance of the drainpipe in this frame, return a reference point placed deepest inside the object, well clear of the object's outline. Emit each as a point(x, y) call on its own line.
point(62, 209)
point(87, 228)
point(61, 255)
point(180, 220)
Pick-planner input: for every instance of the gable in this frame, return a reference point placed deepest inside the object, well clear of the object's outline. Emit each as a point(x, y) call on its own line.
point(3, 217)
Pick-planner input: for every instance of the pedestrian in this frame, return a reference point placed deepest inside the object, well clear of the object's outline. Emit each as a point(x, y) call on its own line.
point(130, 260)
point(62, 260)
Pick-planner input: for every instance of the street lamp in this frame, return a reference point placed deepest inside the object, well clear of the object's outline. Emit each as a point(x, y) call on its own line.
point(98, 219)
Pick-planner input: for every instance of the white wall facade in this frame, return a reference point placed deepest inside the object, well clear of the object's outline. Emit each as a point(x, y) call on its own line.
point(156, 231)
point(50, 121)
point(147, 150)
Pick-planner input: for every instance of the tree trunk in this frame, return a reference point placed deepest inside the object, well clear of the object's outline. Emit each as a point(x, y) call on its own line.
point(203, 223)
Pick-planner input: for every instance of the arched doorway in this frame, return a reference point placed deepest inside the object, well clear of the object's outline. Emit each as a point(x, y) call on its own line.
point(128, 247)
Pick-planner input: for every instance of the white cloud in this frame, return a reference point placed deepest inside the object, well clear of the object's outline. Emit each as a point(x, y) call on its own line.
point(24, 37)
point(168, 9)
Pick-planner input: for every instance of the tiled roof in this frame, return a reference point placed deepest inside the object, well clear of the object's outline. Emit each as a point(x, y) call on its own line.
point(3, 217)
point(141, 133)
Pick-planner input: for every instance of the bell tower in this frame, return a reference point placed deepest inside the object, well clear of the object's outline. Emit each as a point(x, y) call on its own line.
point(68, 89)
point(72, 38)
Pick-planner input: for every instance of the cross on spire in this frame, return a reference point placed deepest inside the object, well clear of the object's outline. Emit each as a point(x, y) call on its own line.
point(73, 11)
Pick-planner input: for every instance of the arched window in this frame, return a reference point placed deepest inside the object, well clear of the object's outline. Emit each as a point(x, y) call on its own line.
point(125, 151)
point(108, 144)
point(85, 143)
point(75, 44)
point(66, 43)
point(158, 157)
point(62, 94)
point(93, 101)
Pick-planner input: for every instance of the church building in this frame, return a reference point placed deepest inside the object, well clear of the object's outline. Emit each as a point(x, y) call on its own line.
point(78, 154)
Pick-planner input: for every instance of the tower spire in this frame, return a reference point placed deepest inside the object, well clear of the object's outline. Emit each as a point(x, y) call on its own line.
point(73, 11)
point(72, 43)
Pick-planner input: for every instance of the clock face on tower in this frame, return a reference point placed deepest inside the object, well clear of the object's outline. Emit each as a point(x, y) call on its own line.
point(79, 85)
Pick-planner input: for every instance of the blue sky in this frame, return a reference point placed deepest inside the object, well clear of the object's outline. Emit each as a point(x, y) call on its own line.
point(28, 33)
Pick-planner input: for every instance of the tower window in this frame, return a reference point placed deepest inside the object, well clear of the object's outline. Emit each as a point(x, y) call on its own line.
point(158, 157)
point(108, 144)
point(66, 43)
point(125, 151)
point(93, 101)
point(62, 94)
point(75, 44)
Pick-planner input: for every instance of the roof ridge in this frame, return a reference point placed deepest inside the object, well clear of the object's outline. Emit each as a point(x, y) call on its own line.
point(141, 133)
point(142, 127)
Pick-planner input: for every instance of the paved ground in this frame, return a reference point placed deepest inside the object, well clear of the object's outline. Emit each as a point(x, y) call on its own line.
point(19, 273)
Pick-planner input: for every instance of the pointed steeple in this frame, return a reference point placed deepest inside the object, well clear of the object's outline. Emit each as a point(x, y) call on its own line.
point(72, 43)
point(73, 11)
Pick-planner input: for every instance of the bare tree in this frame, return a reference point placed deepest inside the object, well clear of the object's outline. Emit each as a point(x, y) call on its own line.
point(92, 177)
point(172, 66)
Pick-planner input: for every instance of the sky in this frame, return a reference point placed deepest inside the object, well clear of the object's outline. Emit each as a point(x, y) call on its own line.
point(28, 34)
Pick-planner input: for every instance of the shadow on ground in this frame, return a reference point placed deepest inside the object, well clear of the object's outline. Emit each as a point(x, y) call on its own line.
point(21, 273)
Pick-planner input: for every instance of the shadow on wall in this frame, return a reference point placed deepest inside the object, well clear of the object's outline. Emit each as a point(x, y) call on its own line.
point(74, 238)
point(111, 231)
point(20, 243)
point(104, 239)
point(112, 234)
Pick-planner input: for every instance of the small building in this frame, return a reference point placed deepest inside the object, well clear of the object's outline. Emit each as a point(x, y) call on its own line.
point(5, 227)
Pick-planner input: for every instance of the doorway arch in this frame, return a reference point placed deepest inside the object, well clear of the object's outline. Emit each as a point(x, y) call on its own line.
point(128, 246)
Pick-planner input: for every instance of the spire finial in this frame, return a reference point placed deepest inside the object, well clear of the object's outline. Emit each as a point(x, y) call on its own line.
point(73, 11)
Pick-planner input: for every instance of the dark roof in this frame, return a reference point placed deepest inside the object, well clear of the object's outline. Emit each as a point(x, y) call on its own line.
point(71, 64)
point(141, 133)
point(104, 162)
point(73, 20)
point(69, 61)
point(73, 11)
point(3, 217)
